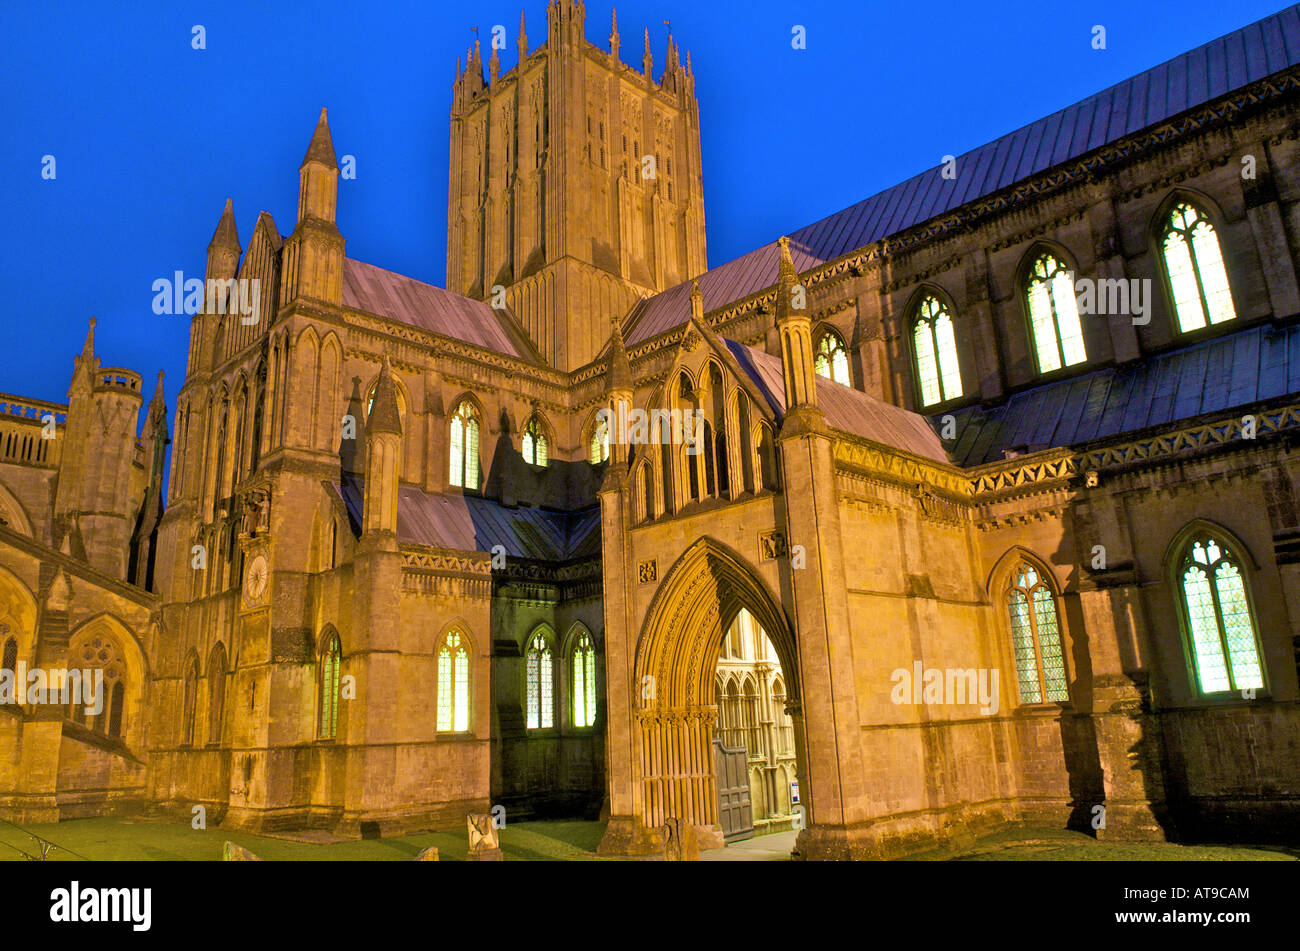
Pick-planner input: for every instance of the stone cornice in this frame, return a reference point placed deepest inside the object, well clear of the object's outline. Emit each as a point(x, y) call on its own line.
point(1050, 468)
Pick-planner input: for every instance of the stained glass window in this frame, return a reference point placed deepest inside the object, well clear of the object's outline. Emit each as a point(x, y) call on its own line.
point(1194, 261)
point(584, 682)
point(1036, 638)
point(331, 660)
point(599, 442)
point(540, 705)
point(534, 443)
point(936, 353)
point(832, 360)
point(453, 685)
point(1054, 315)
point(1221, 628)
point(464, 447)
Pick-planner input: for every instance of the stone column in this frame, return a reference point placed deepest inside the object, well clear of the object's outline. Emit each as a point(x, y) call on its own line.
point(984, 340)
point(1276, 256)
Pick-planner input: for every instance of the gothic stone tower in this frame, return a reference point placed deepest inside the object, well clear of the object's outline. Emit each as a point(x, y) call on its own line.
point(575, 184)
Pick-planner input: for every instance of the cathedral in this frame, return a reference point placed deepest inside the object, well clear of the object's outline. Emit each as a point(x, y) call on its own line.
point(967, 506)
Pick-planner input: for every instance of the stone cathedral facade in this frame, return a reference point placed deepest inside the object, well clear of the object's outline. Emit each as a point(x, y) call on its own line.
point(1000, 463)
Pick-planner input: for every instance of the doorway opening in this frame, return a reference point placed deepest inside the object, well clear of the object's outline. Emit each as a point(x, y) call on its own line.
point(753, 744)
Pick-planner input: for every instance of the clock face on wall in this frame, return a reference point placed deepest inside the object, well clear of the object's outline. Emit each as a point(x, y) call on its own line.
point(256, 576)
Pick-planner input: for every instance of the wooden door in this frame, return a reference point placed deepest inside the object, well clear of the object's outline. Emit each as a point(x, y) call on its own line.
point(735, 811)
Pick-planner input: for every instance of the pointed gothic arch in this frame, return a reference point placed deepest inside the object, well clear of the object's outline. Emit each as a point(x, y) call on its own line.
point(1197, 287)
point(678, 648)
point(1213, 577)
point(1053, 325)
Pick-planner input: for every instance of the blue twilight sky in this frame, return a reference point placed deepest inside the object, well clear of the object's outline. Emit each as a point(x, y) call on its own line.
point(150, 136)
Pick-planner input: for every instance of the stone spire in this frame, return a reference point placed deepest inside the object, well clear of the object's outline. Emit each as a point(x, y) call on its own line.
point(316, 246)
point(647, 61)
point(613, 35)
point(494, 65)
point(619, 390)
point(227, 235)
point(619, 377)
point(384, 415)
point(88, 348)
point(321, 149)
point(159, 399)
point(795, 330)
point(523, 38)
point(697, 300)
point(383, 459)
point(224, 249)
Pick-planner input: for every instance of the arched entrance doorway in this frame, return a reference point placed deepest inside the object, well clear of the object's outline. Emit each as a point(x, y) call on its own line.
point(754, 739)
point(674, 709)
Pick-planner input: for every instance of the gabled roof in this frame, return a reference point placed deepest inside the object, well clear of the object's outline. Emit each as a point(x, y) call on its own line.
point(469, 523)
point(1252, 366)
point(435, 309)
point(1182, 83)
point(847, 409)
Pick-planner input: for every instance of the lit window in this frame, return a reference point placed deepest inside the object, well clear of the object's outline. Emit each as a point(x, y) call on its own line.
point(1197, 278)
point(832, 360)
point(1220, 626)
point(534, 443)
point(600, 441)
point(464, 447)
point(1036, 638)
point(584, 681)
point(331, 660)
point(453, 685)
point(1054, 315)
point(540, 714)
point(936, 353)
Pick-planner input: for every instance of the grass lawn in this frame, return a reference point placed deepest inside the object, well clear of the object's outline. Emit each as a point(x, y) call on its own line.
point(1063, 845)
point(115, 839)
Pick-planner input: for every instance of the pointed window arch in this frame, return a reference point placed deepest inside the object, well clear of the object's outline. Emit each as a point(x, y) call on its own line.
point(584, 681)
point(95, 649)
point(533, 445)
point(453, 684)
point(1198, 280)
point(1219, 624)
point(328, 671)
point(540, 699)
point(216, 692)
point(935, 345)
point(832, 360)
point(1053, 314)
point(191, 701)
point(464, 446)
point(1036, 637)
point(598, 446)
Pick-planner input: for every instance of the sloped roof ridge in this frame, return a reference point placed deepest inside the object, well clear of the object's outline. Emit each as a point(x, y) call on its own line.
point(1188, 80)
